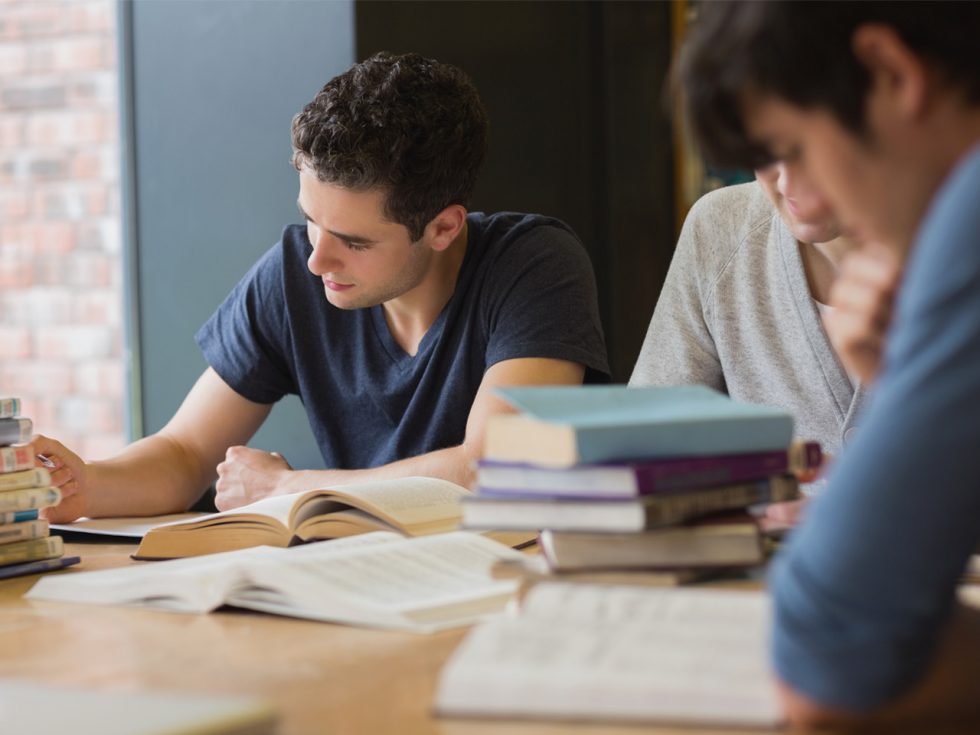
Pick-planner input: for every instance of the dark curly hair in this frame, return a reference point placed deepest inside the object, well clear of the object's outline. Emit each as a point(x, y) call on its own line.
point(801, 52)
point(408, 125)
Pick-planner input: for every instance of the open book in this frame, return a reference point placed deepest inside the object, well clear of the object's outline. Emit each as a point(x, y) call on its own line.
point(619, 653)
point(413, 506)
point(378, 579)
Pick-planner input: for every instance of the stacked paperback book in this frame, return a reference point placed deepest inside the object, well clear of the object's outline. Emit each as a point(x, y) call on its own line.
point(25, 544)
point(622, 481)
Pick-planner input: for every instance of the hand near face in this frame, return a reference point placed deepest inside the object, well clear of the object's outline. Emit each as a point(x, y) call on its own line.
point(68, 474)
point(248, 475)
point(863, 297)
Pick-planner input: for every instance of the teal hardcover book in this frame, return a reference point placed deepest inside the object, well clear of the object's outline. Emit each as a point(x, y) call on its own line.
point(567, 425)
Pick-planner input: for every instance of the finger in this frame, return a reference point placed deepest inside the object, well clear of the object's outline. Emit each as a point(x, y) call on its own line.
point(61, 477)
point(68, 489)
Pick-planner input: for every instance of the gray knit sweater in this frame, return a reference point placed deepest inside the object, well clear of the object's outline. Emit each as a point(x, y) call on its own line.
point(736, 314)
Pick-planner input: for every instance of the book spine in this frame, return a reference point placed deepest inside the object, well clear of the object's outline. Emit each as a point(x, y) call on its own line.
point(17, 516)
point(631, 479)
point(37, 477)
point(23, 531)
point(703, 472)
point(15, 431)
point(9, 407)
point(14, 459)
point(37, 567)
point(670, 509)
point(40, 548)
point(29, 499)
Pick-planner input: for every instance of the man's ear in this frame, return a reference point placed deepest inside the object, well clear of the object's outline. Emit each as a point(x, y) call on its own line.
point(443, 229)
point(899, 78)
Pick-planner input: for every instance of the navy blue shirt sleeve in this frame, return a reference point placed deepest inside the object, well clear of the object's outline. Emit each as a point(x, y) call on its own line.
point(245, 340)
point(868, 582)
point(540, 301)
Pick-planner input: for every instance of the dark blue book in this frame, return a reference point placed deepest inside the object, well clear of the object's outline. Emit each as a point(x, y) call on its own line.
point(36, 567)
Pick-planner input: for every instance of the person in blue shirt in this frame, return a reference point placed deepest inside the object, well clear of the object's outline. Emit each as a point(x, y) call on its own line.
point(878, 104)
point(393, 312)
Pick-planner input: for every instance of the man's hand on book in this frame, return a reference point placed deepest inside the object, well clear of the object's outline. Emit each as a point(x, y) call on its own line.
point(862, 298)
point(248, 475)
point(68, 474)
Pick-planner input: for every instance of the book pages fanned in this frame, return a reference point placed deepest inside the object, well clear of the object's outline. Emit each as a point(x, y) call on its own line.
point(574, 652)
point(377, 579)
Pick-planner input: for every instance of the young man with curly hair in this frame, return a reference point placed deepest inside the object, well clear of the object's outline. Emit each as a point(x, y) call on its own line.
point(393, 312)
point(878, 105)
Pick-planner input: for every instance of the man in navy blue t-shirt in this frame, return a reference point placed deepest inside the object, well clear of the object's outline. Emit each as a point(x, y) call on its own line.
point(878, 104)
point(393, 312)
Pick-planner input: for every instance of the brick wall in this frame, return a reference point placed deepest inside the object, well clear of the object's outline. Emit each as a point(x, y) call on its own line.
point(60, 264)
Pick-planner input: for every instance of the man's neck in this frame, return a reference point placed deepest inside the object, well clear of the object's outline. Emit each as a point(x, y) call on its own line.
point(410, 315)
point(821, 263)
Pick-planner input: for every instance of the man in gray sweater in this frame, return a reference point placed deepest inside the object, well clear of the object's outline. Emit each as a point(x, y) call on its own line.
point(743, 305)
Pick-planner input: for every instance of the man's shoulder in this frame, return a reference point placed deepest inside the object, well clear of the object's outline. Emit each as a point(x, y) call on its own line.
point(723, 221)
point(502, 228)
point(735, 210)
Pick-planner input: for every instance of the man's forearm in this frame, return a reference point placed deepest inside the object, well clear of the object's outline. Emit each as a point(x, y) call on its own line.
point(454, 464)
point(152, 476)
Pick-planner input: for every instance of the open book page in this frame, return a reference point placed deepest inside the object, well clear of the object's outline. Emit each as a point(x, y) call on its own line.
point(194, 585)
point(377, 579)
point(424, 504)
point(124, 527)
point(601, 652)
point(421, 584)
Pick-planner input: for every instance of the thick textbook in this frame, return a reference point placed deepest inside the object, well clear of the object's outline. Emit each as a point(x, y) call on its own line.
point(629, 479)
point(15, 431)
point(32, 498)
point(581, 652)
point(620, 514)
point(36, 477)
point(377, 579)
point(9, 407)
point(726, 541)
point(13, 459)
point(561, 426)
point(29, 707)
point(18, 552)
point(23, 531)
point(414, 506)
point(18, 516)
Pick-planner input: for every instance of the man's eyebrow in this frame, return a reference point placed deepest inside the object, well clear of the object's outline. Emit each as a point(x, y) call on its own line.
point(356, 239)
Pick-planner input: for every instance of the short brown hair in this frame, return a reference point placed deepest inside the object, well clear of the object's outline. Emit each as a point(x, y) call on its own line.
point(408, 125)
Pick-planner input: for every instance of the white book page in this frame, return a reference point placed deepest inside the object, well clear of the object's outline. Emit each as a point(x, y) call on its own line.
point(381, 586)
point(195, 584)
point(582, 651)
point(126, 527)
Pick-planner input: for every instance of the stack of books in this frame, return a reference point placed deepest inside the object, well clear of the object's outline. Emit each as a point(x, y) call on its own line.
point(652, 480)
point(25, 544)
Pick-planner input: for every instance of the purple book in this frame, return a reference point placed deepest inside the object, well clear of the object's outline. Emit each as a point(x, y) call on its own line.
point(36, 567)
point(632, 479)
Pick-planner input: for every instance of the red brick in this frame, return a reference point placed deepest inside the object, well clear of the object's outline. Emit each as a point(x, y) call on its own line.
point(106, 378)
point(14, 205)
point(16, 273)
point(36, 378)
point(77, 342)
point(53, 237)
point(15, 342)
point(102, 306)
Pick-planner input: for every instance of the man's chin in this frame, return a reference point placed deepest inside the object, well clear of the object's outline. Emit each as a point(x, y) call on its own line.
point(345, 300)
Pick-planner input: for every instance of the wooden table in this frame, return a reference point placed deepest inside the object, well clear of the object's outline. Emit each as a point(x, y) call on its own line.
point(322, 678)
